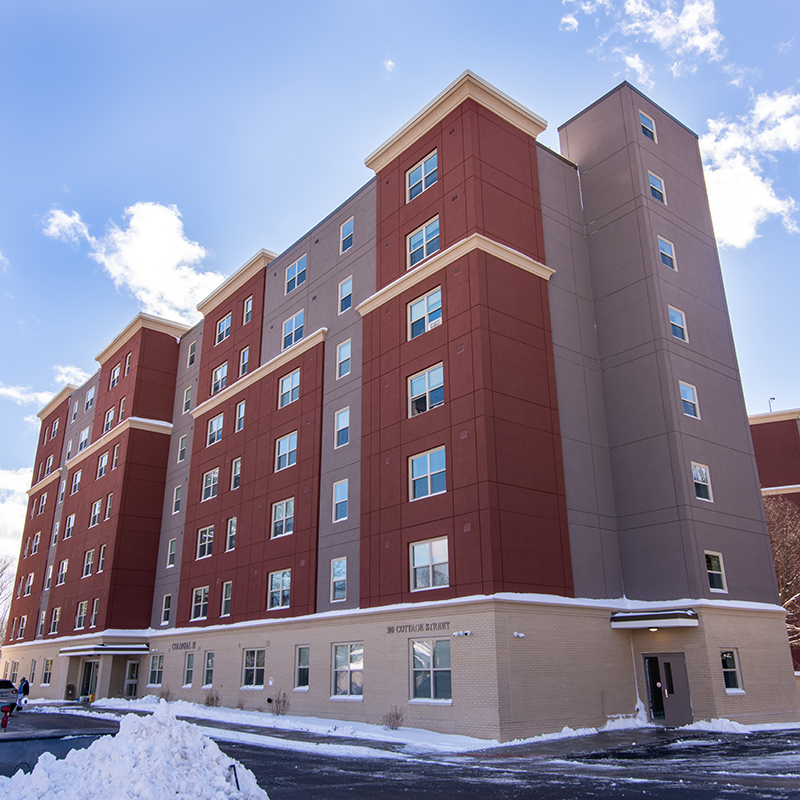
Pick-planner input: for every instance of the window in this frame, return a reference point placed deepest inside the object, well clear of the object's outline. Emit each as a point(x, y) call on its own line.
point(62, 490)
point(108, 420)
point(667, 252)
point(69, 526)
point(101, 561)
point(35, 544)
point(247, 315)
point(182, 449)
point(74, 412)
point(83, 440)
point(427, 474)
point(188, 670)
point(115, 459)
point(423, 242)
point(23, 621)
point(426, 390)
point(244, 360)
point(340, 501)
point(345, 294)
point(239, 416)
point(62, 572)
point(47, 672)
point(25, 551)
point(176, 499)
point(227, 593)
point(88, 563)
point(338, 579)
point(89, 399)
point(293, 329)
point(205, 542)
point(223, 329)
point(342, 428)
point(689, 400)
point(54, 430)
point(346, 236)
point(156, 670)
point(97, 507)
point(39, 633)
point(301, 667)
point(657, 188)
point(286, 452)
point(289, 389)
point(48, 467)
point(172, 546)
point(208, 676)
point(14, 664)
point(425, 313)
point(282, 518)
point(236, 473)
point(230, 537)
point(431, 670)
point(28, 584)
point(210, 481)
point(219, 378)
point(121, 409)
point(128, 363)
point(166, 605)
point(296, 274)
point(80, 616)
point(69, 450)
point(114, 377)
point(253, 669)
point(702, 482)
point(192, 354)
point(730, 671)
point(716, 572)
point(348, 670)
point(102, 465)
point(429, 564)
point(422, 176)
point(95, 610)
point(214, 430)
point(54, 620)
point(343, 359)
point(187, 399)
point(279, 589)
point(42, 503)
point(200, 603)
point(677, 324)
point(648, 126)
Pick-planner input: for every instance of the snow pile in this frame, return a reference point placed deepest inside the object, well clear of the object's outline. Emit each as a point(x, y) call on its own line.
point(150, 758)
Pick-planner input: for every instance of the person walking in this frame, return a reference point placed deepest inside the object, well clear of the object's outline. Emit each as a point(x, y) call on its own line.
point(22, 692)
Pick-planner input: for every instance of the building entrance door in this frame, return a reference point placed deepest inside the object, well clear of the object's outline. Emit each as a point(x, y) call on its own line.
point(132, 679)
point(89, 678)
point(668, 689)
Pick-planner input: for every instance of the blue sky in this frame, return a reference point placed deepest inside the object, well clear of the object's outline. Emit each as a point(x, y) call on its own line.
point(148, 149)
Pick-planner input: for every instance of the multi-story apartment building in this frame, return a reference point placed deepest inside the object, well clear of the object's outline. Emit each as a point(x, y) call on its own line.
point(475, 446)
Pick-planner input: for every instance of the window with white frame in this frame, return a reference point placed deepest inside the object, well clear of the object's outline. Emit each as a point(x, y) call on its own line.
point(293, 329)
point(430, 568)
point(426, 390)
point(648, 126)
point(62, 572)
point(338, 579)
point(205, 542)
point(187, 399)
point(214, 433)
point(346, 236)
point(244, 361)
point(340, 500)
point(425, 313)
point(39, 634)
point(422, 176)
point(422, 243)
point(210, 482)
point(182, 448)
point(37, 537)
point(28, 584)
point(55, 617)
point(42, 503)
point(689, 400)
point(677, 324)
point(76, 482)
point(121, 410)
point(667, 252)
point(730, 671)
point(115, 459)
point(88, 563)
point(192, 354)
point(702, 482)
point(101, 561)
point(109, 502)
point(301, 670)
point(95, 611)
point(128, 363)
point(427, 474)
point(200, 603)
point(657, 189)
point(716, 572)
point(80, 616)
point(47, 672)
point(23, 622)
point(247, 313)
point(69, 450)
point(48, 467)
point(156, 670)
point(253, 668)
point(343, 359)
point(230, 535)
point(188, 670)
point(89, 399)
point(282, 518)
point(166, 607)
point(430, 665)
point(114, 376)
point(223, 329)
point(296, 274)
point(236, 473)
point(83, 440)
point(239, 416)
point(172, 546)
point(75, 412)
point(289, 388)
point(227, 594)
point(341, 433)
point(108, 420)
point(286, 451)
point(68, 528)
point(62, 490)
point(280, 584)
point(102, 465)
point(345, 294)
point(208, 670)
point(219, 378)
point(348, 670)
point(176, 499)
point(54, 430)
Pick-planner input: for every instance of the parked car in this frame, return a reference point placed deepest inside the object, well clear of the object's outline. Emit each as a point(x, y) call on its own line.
point(8, 694)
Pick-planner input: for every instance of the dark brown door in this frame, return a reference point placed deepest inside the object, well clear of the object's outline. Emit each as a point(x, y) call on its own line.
point(668, 689)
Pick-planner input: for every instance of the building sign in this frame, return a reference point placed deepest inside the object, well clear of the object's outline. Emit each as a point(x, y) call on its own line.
point(184, 646)
point(419, 627)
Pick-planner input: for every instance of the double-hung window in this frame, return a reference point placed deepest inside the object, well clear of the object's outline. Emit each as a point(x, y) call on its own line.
point(430, 568)
point(253, 668)
point(205, 542)
point(54, 431)
point(156, 670)
point(182, 448)
point(677, 324)
point(286, 451)
point(423, 242)
point(730, 671)
point(426, 390)
point(214, 430)
point(346, 236)
point(280, 584)
point(55, 617)
point(293, 329)
point(83, 440)
point(48, 467)
point(128, 363)
point(657, 189)
point(282, 518)
point(343, 360)
point(302, 661)
point(200, 603)
point(236, 473)
point(667, 252)
point(227, 594)
point(88, 563)
point(80, 616)
point(702, 482)
point(422, 176)
point(210, 482)
point(97, 507)
point(172, 547)
point(187, 399)
point(166, 607)
point(114, 377)
point(89, 399)
point(689, 400)
point(191, 355)
point(340, 491)
point(289, 389)
point(239, 416)
point(296, 274)
point(342, 427)
point(348, 670)
point(425, 313)
point(427, 474)
point(188, 670)
point(345, 294)
point(68, 528)
point(108, 420)
point(219, 378)
point(102, 465)
point(208, 670)
point(223, 328)
point(62, 572)
point(244, 361)
point(247, 314)
point(431, 669)
point(76, 482)
point(716, 572)
point(230, 537)
point(176, 500)
point(338, 579)
point(648, 126)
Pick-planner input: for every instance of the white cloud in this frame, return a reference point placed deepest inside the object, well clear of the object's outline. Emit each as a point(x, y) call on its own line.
point(388, 64)
point(151, 258)
point(736, 152)
point(24, 395)
point(568, 23)
point(785, 47)
point(635, 63)
point(13, 505)
point(69, 373)
point(3, 262)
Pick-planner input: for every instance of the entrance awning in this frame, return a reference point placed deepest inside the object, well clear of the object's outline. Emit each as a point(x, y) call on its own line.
point(673, 618)
point(106, 650)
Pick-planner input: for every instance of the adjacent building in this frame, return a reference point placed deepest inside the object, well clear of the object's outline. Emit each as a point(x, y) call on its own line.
point(474, 446)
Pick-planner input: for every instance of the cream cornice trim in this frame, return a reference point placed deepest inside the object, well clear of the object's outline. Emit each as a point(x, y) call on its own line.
point(237, 280)
point(781, 490)
point(43, 483)
point(140, 321)
point(467, 86)
point(257, 374)
point(56, 401)
point(774, 416)
point(476, 241)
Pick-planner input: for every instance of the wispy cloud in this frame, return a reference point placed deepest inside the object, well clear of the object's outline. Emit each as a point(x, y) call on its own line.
point(24, 395)
point(3, 262)
point(736, 153)
point(569, 22)
point(388, 65)
point(151, 258)
point(636, 64)
point(69, 373)
point(13, 505)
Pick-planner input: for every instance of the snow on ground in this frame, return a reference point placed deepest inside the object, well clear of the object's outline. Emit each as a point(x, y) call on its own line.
point(150, 758)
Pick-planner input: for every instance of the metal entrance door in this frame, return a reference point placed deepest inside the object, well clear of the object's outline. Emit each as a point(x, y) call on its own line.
point(132, 679)
point(668, 689)
point(89, 678)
